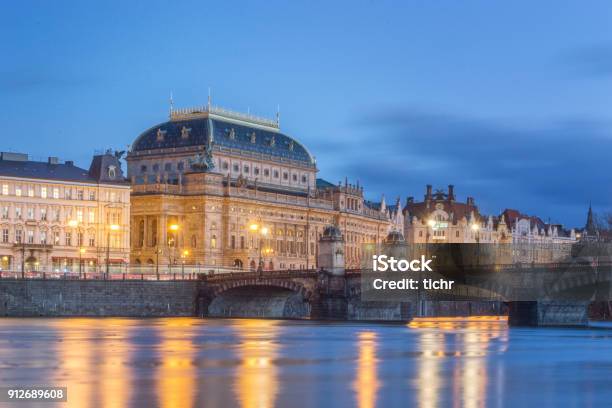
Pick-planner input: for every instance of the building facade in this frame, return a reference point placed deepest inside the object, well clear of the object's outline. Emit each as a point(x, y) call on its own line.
point(212, 187)
point(59, 217)
point(441, 218)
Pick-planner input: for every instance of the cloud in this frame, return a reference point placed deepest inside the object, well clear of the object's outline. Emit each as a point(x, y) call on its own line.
point(538, 168)
point(593, 61)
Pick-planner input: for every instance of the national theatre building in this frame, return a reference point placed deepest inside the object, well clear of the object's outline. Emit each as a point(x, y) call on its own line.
point(212, 187)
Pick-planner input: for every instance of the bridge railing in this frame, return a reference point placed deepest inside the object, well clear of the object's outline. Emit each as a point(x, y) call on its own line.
point(151, 273)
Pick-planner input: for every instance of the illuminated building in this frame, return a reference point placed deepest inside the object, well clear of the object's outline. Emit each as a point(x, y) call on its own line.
point(218, 188)
point(56, 216)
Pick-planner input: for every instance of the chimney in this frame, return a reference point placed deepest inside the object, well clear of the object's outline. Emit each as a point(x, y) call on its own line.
point(470, 201)
point(53, 160)
point(451, 192)
point(69, 163)
point(428, 192)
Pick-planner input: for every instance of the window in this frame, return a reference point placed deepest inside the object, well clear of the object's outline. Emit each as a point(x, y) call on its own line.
point(92, 240)
point(68, 194)
point(113, 197)
point(236, 168)
point(80, 195)
point(55, 192)
point(57, 214)
point(79, 215)
point(30, 213)
point(91, 216)
point(43, 192)
point(18, 191)
point(5, 235)
point(79, 239)
point(256, 171)
point(92, 196)
point(5, 212)
point(180, 165)
point(303, 179)
point(295, 177)
point(18, 236)
point(266, 172)
point(285, 176)
point(225, 166)
point(5, 189)
point(18, 213)
point(246, 169)
point(168, 166)
point(30, 236)
point(56, 238)
point(30, 191)
point(68, 241)
point(457, 234)
point(155, 167)
point(143, 168)
point(275, 173)
point(43, 237)
point(213, 242)
point(241, 242)
point(43, 214)
point(233, 242)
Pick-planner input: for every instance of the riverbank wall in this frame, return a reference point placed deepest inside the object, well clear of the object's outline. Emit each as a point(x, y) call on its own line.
point(21, 298)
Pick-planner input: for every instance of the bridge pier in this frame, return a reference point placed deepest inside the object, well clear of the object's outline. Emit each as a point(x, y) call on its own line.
point(543, 313)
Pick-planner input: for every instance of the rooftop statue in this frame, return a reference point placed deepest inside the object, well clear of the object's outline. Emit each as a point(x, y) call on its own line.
point(202, 161)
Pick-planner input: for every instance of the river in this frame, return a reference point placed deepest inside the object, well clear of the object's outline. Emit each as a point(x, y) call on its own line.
point(183, 362)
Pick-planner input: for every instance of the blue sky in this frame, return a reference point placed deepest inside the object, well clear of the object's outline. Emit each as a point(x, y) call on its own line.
point(510, 102)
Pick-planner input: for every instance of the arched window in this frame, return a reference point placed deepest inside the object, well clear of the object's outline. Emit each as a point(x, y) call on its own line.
point(213, 242)
point(237, 263)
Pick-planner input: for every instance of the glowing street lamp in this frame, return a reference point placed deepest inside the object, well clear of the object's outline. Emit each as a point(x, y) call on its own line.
point(81, 252)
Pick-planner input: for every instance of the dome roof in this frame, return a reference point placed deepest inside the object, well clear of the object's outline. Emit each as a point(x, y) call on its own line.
point(190, 131)
point(395, 237)
point(332, 232)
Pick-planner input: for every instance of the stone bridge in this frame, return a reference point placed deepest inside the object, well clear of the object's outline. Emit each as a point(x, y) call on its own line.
point(325, 295)
point(293, 294)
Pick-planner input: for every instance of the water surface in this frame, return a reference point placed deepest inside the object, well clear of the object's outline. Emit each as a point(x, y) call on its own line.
point(183, 362)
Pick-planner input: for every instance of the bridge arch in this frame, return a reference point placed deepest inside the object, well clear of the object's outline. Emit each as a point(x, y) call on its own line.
point(253, 297)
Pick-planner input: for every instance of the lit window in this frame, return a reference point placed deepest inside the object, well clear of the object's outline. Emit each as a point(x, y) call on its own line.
point(18, 191)
point(56, 192)
point(43, 192)
point(5, 189)
point(30, 191)
point(92, 196)
point(79, 215)
point(91, 217)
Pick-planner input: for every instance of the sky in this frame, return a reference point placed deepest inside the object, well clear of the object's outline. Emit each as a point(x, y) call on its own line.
point(509, 101)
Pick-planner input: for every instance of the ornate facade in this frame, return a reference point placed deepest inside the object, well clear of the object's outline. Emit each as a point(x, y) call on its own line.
point(441, 218)
point(223, 189)
point(54, 215)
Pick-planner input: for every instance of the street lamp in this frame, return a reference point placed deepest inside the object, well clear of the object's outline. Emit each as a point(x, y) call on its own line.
point(263, 231)
point(183, 256)
point(476, 228)
point(174, 228)
point(81, 252)
point(112, 227)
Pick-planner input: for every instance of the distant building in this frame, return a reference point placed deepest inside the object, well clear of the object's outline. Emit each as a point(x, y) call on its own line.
point(54, 214)
point(441, 218)
point(213, 187)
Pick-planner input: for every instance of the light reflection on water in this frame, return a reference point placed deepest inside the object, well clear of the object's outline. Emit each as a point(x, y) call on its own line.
point(264, 363)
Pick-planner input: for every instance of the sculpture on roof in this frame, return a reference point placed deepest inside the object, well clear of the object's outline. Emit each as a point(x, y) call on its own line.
point(203, 161)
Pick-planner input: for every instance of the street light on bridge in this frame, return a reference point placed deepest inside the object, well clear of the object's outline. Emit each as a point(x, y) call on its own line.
point(263, 231)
